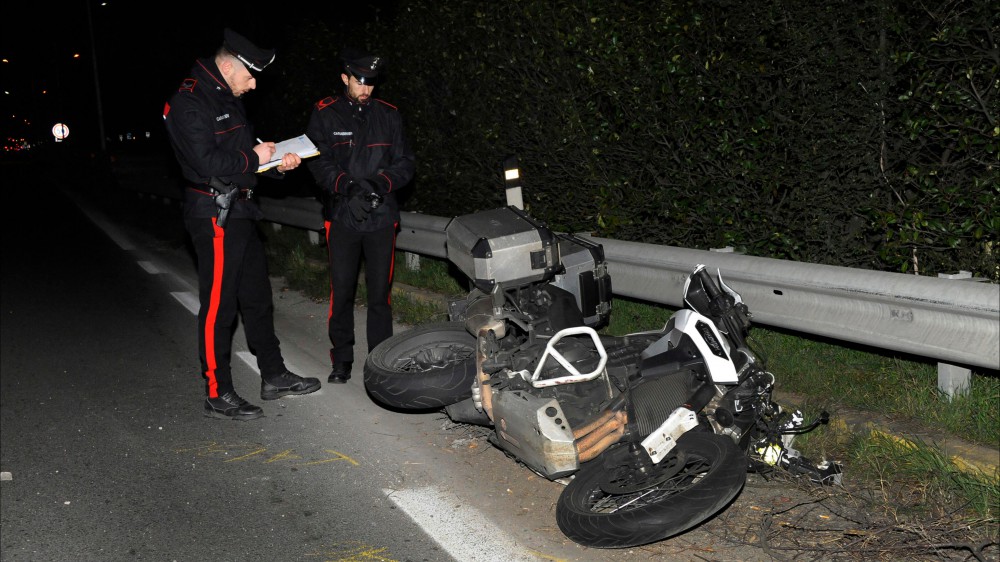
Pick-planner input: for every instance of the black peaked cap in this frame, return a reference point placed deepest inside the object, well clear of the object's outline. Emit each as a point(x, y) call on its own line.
point(361, 64)
point(249, 54)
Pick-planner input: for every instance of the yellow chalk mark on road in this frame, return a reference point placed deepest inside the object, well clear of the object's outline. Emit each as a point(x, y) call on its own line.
point(355, 552)
point(286, 454)
point(245, 451)
point(337, 457)
point(248, 455)
point(208, 448)
point(543, 556)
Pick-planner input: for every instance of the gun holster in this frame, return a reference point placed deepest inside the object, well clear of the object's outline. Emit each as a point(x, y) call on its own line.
point(224, 195)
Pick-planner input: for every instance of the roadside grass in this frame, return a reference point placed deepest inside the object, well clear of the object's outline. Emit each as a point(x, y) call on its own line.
point(917, 478)
point(435, 275)
point(892, 385)
point(629, 316)
point(913, 477)
point(303, 264)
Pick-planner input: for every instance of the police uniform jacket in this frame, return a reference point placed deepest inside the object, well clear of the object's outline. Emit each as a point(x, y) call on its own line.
point(211, 136)
point(359, 142)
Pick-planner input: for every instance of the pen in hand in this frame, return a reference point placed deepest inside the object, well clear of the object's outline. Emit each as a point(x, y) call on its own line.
point(262, 142)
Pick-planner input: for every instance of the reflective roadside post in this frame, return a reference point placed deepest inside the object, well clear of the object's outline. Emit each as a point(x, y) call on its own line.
point(512, 182)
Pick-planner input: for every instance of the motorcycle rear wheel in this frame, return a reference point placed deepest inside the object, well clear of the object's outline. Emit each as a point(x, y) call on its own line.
point(426, 367)
point(609, 504)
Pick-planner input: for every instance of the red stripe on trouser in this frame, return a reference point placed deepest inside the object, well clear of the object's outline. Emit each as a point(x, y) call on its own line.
point(218, 261)
point(329, 310)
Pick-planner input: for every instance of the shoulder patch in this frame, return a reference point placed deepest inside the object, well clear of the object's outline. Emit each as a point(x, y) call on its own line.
point(325, 102)
point(187, 85)
point(387, 104)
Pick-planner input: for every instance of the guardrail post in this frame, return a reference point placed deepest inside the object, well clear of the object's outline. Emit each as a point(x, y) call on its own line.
point(412, 261)
point(952, 379)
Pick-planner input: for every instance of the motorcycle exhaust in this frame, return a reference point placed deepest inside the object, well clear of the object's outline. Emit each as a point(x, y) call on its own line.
point(604, 432)
point(597, 422)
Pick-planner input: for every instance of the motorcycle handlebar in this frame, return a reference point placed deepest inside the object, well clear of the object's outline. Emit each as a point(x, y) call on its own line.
point(711, 289)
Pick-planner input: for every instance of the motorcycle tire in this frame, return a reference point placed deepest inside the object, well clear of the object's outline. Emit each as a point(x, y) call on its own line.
point(609, 504)
point(426, 367)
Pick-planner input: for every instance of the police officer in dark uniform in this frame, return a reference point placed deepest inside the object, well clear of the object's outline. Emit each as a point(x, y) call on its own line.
point(219, 156)
point(364, 161)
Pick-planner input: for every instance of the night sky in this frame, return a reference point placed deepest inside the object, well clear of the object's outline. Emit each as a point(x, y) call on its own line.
point(141, 56)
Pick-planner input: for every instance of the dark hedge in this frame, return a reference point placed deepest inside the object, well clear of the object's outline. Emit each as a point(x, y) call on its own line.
point(855, 133)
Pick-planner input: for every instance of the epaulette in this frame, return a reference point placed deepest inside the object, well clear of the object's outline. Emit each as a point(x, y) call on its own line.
point(188, 85)
point(329, 100)
point(383, 102)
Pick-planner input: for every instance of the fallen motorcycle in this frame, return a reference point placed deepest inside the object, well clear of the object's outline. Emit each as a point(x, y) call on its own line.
point(655, 431)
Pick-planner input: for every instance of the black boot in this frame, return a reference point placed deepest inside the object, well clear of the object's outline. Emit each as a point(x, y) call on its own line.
point(230, 406)
point(340, 374)
point(286, 384)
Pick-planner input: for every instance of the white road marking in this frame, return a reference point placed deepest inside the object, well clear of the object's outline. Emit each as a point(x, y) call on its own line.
point(249, 359)
point(189, 300)
point(149, 267)
point(447, 519)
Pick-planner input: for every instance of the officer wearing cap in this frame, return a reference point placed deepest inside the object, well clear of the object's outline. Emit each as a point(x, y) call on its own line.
point(364, 161)
point(215, 146)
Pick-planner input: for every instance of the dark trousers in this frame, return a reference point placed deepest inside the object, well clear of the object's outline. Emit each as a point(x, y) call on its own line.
point(345, 248)
point(232, 278)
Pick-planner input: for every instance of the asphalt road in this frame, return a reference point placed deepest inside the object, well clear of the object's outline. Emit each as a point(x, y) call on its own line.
point(104, 443)
point(106, 454)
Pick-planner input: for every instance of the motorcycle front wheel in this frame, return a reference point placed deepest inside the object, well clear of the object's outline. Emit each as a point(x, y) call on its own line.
point(426, 367)
point(611, 504)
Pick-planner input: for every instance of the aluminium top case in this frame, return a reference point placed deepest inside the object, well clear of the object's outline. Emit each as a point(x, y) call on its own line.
point(502, 246)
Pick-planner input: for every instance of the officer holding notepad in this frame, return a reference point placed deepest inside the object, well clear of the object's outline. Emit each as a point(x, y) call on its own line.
point(219, 156)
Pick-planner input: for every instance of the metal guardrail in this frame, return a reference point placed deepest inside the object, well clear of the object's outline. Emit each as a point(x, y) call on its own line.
point(953, 321)
point(419, 233)
point(949, 320)
point(956, 321)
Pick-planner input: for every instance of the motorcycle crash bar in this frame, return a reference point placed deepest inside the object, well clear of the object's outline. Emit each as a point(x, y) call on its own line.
point(576, 376)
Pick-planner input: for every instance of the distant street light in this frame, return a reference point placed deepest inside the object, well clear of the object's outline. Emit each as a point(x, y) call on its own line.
point(97, 82)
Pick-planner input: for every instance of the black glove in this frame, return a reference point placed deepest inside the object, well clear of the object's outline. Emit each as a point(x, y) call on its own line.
point(373, 198)
point(371, 194)
point(357, 201)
